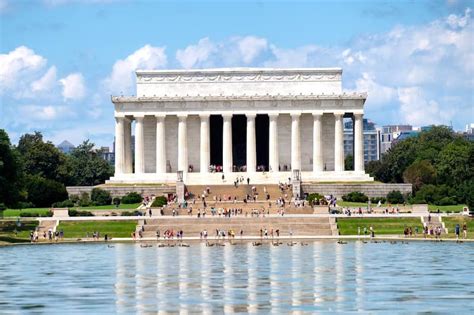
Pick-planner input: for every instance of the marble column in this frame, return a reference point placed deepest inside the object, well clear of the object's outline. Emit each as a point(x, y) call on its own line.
point(119, 145)
point(183, 143)
point(227, 163)
point(295, 142)
point(251, 143)
point(358, 143)
point(160, 144)
point(273, 157)
point(139, 146)
point(128, 168)
point(317, 143)
point(339, 143)
point(205, 148)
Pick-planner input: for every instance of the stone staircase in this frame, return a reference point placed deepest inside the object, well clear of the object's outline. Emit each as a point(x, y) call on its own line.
point(434, 222)
point(241, 191)
point(246, 208)
point(44, 226)
point(222, 196)
point(310, 226)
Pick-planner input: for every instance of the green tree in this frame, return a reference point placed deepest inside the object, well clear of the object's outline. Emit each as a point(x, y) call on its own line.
point(41, 158)
point(454, 162)
point(43, 192)
point(11, 176)
point(86, 166)
point(420, 173)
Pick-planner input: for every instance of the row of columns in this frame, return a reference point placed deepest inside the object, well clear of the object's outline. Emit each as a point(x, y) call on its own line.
point(123, 159)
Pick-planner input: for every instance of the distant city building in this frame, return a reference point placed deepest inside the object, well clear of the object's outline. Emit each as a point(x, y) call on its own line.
point(469, 132)
point(66, 147)
point(107, 155)
point(391, 132)
point(371, 140)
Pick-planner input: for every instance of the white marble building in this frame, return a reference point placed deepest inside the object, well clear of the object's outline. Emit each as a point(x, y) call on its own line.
point(283, 119)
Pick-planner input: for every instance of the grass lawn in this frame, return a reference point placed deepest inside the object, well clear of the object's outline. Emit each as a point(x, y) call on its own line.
point(453, 208)
point(348, 226)
point(451, 222)
point(78, 229)
point(16, 212)
point(132, 206)
point(22, 234)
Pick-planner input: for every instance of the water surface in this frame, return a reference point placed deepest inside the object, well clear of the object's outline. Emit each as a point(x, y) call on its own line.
point(321, 277)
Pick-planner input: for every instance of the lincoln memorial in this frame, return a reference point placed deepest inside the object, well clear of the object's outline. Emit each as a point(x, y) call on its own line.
point(217, 124)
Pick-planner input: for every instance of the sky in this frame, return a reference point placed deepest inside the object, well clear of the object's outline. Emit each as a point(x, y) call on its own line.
point(61, 60)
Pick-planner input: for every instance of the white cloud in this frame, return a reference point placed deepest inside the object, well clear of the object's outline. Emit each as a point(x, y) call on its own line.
point(73, 87)
point(235, 51)
point(296, 57)
point(17, 66)
point(378, 95)
point(43, 113)
point(250, 47)
point(46, 82)
point(416, 110)
point(454, 20)
point(122, 77)
point(195, 54)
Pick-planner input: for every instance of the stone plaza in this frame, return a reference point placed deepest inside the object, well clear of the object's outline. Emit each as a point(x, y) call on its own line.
point(214, 125)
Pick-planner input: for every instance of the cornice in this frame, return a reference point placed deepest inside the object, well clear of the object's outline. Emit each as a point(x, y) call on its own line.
point(238, 75)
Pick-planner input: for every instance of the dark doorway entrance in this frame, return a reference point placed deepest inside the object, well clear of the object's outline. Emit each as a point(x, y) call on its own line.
point(216, 123)
point(239, 140)
point(262, 123)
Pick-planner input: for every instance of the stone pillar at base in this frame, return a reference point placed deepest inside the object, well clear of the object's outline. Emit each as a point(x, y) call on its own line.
point(296, 184)
point(180, 187)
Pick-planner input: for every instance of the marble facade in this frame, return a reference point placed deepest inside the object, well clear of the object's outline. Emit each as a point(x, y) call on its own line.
point(170, 116)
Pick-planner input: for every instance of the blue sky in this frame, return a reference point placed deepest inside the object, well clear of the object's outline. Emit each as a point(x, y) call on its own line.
point(62, 59)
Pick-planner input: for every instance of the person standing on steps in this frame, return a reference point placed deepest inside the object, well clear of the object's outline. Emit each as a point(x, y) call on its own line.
point(248, 180)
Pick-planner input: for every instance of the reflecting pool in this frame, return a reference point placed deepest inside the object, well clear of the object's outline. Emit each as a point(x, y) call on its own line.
point(321, 277)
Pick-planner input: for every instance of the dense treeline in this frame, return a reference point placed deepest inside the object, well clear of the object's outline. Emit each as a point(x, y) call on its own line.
point(439, 163)
point(35, 173)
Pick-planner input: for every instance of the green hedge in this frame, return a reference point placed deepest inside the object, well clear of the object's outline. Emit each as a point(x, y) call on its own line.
point(159, 201)
point(355, 196)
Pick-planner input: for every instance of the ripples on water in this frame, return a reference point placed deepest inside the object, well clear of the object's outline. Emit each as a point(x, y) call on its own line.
point(323, 276)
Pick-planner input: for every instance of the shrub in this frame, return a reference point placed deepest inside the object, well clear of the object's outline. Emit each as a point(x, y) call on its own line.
point(63, 204)
point(446, 201)
point(395, 196)
point(84, 200)
point(35, 214)
point(100, 197)
point(314, 198)
point(116, 201)
point(159, 201)
point(131, 213)
point(74, 199)
point(24, 205)
point(78, 213)
point(132, 197)
point(376, 200)
point(2, 206)
point(355, 196)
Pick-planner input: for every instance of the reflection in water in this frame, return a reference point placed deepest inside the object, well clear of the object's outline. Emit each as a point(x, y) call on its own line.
point(323, 276)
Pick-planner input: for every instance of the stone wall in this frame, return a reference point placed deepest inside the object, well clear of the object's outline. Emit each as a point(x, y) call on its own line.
point(119, 191)
point(370, 189)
